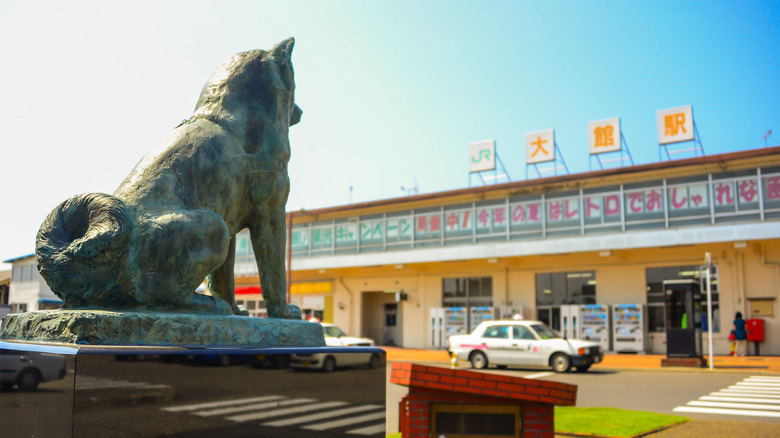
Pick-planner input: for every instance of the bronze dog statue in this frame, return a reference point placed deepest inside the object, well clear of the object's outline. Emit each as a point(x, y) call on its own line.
point(173, 220)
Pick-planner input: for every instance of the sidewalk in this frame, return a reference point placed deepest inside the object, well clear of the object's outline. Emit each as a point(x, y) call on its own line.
point(756, 364)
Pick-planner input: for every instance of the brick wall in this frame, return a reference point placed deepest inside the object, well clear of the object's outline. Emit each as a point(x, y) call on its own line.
point(428, 385)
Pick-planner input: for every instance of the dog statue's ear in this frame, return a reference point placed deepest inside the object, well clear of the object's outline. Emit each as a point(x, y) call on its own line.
point(283, 50)
point(296, 115)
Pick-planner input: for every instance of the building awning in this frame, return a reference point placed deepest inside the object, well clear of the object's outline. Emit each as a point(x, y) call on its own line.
point(295, 289)
point(49, 301)
point(19, 258)
point(248, 290)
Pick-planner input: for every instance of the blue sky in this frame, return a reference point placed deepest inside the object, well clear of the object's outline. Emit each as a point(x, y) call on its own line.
point(392, 91)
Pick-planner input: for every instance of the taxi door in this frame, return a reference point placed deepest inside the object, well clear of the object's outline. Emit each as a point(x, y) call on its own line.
point(498, 344)
point(528, 349)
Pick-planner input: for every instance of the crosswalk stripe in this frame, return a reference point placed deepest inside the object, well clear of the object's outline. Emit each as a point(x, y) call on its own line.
point(346, 422)
point(221, 403)
point(370, 430)
point(741, 412)
point(740, 399)
point(315, 417)
point(282, 412)
point(253, 407)
point(734, 405)
point(754, 388)
point(763, 395)
point(756, 396)
point(759, 383)
point(752, 391)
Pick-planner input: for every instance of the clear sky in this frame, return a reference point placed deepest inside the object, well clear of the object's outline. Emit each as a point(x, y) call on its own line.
point(392, 91)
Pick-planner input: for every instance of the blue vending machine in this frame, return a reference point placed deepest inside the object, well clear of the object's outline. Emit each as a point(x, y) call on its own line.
point(630, 328)
point(481, 314)
point(594, 325)
point(455, 321)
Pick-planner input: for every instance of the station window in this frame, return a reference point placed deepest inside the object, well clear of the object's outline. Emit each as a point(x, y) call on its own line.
point(18, 308)
point(467, 292)
point(25, 273)
point(255, 307)
point(656, 298)
point(556, 288)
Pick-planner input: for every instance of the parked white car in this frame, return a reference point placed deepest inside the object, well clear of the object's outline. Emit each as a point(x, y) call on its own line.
point(335, 337)
point(528, 343)
point(26, 369)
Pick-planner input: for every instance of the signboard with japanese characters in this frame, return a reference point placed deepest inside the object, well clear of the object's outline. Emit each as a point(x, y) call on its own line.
point(604, 136)
point(657, 204)
point(675, 124)
point(482, 156)
point(540, 146)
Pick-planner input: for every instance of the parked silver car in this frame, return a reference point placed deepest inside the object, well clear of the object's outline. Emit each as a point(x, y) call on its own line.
point(335, 337)
point(26, 369)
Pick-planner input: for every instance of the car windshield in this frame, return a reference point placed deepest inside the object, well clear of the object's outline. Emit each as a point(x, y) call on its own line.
point(333, 332)
point(543, 331)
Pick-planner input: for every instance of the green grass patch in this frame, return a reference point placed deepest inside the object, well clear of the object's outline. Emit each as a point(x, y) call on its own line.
point(610, 422)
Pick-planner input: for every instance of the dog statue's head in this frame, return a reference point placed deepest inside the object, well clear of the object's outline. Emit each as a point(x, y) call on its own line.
point(250, 85)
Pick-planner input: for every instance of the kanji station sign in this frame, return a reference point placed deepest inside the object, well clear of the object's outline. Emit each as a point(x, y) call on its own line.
point(675, 124)
point(540, 146)
point(604, 136)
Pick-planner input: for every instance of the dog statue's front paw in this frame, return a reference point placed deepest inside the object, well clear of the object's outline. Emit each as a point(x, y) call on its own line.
point(292, 312)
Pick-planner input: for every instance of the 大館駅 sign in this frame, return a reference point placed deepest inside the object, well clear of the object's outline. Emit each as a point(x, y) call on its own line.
point(675, 124)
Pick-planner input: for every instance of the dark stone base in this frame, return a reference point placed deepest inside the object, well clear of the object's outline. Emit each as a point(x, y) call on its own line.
point(128, 392)
point(693, 362)
point(99, 327)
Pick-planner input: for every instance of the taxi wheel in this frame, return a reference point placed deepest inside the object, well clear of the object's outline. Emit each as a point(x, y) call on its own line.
point(478, 360)
point(560, 363)
point(329, 364)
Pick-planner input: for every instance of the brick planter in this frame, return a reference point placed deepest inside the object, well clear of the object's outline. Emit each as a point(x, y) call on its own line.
point(478, 393)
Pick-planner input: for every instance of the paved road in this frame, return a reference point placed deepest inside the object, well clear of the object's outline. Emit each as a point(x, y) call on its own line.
point(701, 395)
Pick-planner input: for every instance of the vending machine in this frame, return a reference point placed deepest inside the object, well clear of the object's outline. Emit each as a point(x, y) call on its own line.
point(629, 328)
point(480, 314)
point(455, 321)
point(570, 320)
point(437, 328)
point(594, 325)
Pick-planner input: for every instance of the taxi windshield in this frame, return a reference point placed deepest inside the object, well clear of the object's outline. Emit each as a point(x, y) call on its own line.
point(543, 331)
point(333, 332)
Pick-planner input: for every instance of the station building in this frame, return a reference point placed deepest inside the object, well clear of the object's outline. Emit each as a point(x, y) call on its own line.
point(613, 237)
point(412, 270)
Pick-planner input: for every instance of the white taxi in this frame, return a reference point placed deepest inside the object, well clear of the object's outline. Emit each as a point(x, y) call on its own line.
point(335, 337)
point(528, 343)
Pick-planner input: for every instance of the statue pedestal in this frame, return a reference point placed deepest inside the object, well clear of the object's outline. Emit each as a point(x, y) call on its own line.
point(104, 327)
point(98, 391)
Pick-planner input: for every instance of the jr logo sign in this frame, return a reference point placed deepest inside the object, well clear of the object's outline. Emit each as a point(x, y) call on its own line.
point(482, 156)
